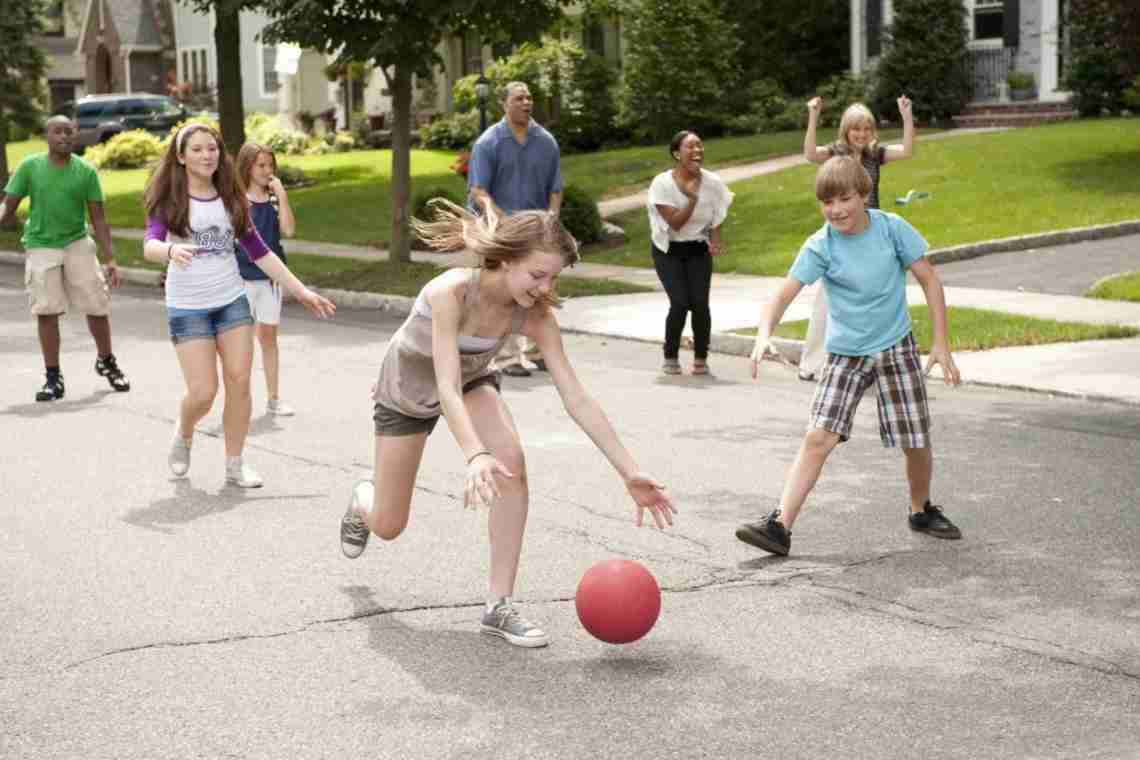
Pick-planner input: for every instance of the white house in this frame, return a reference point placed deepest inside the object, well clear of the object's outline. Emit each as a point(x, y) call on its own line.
point(1005, 35)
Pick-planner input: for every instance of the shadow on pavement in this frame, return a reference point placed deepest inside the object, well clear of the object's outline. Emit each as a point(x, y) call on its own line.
point(63, 406)
point(189, 503)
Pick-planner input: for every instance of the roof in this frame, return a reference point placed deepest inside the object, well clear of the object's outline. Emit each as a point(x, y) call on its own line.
point(134, 20)
point(63, 63)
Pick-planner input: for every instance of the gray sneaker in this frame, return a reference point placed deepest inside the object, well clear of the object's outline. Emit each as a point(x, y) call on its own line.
point(242, 475)
point(504, 620)
point(179, 458)
point(354, 531)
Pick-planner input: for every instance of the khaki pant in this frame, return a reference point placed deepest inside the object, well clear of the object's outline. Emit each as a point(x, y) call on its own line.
point(56, 278)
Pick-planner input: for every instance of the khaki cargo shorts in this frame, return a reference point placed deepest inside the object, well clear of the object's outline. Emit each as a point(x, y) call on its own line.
point(56, 278)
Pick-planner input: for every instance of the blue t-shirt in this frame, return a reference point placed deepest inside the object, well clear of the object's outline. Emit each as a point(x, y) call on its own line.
point(865, 278)
point(268, 224)
point(518, 176)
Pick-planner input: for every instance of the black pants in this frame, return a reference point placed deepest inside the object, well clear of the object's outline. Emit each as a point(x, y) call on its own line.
point(686, 273)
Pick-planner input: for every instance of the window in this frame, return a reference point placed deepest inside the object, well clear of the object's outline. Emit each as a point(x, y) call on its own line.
point(989, 19)
point(472, 52)
point(594, 36)
point(194, 68)
point(53, 19)
point(269, 80)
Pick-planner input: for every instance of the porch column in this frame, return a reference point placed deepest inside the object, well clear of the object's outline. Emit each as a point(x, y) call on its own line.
point(856, 36)
point(1048, 76)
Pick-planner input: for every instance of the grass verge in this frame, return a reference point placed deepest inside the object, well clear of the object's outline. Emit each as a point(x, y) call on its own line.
point(1121, 287)
point(981, 329)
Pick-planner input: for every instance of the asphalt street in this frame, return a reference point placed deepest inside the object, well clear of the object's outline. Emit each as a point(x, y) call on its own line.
point(151, 617)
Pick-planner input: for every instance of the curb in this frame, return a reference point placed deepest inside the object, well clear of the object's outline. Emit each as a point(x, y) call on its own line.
point(1035, 240)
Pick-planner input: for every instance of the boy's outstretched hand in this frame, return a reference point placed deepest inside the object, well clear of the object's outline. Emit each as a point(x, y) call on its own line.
point(648, 494)
point(942, 357)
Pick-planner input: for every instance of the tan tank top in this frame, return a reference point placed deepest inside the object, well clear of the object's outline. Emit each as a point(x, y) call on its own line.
point(407, 380)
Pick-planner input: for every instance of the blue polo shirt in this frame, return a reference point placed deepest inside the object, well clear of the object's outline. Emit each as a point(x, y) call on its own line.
point(519, 176)
point(865, 278)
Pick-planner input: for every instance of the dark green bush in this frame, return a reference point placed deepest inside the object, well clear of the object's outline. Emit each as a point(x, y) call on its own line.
point(1104, 45)
point(926, 59)
point(589, 109)
point(580, 215)
point(457, 130)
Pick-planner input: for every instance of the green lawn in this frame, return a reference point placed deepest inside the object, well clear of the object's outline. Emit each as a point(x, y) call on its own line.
point(353, 274)
point(351, 201)
point(983, 186)
point(980, 329)
point(1122, 287)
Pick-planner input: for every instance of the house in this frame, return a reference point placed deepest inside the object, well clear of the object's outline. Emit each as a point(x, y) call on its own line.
point(66, 77)
point(1005, 35)
point(126, 45)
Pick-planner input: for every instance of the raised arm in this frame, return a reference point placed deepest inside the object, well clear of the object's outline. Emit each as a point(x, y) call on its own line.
point(770, 316)
point(813, 152)
point(286, 219)
point(906, 150)
point(924, 272)
point(647, 493)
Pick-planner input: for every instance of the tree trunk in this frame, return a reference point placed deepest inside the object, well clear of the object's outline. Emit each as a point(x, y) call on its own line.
point(3, 154)
point(227, 45)
point(400, 248)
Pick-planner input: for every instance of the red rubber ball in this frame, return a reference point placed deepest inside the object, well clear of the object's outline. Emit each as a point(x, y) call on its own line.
point(618, 601)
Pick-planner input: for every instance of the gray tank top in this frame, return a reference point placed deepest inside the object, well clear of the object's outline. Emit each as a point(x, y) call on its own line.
point(407, 382)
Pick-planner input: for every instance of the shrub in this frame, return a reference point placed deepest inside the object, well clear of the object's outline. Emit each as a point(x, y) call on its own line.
point(127, 150)
point(343, 142)
point(681, 58)
point(420, 200)
point(1019, 80)
point(580, 215)
point(838, 92)
point(457, 130)
point(547, 68)
point(1104, 44)
point(293, 176)
point(274, 135)
point(926, 58)
point(590, 109)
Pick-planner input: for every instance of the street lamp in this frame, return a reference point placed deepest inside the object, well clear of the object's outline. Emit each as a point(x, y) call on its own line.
point(482, 90)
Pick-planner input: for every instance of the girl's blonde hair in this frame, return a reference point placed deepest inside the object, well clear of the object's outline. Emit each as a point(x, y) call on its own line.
point(856, 114)
point(247, 157)
point(495, 239)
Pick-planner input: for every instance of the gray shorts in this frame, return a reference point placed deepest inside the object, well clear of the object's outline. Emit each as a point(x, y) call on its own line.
point(390, 422)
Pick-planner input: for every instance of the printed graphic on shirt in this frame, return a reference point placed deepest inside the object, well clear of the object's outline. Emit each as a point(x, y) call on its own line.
point(214, 241)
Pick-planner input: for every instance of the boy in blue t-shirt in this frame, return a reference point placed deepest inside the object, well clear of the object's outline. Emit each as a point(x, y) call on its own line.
point(863, 256)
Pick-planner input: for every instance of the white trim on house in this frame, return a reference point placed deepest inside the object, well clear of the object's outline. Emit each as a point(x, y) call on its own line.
point(858, 44)
point(126, 54)
point(1050, 34)
point(83, 29)
point(185, 73)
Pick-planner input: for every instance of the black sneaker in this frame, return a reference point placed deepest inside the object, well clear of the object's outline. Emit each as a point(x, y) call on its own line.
point(769, 534)
point(109, 368)
point(52, 390)
point(932, 522)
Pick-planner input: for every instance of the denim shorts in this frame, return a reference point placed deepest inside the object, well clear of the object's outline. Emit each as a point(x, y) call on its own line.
point(195, 324)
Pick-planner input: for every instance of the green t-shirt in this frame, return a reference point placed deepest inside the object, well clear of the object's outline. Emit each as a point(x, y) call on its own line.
point(59, 196)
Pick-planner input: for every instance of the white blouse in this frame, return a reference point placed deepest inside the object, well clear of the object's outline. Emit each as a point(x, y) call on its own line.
point(710, 212)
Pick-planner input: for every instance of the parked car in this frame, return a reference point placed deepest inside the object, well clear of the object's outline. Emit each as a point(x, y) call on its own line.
point(101, 117)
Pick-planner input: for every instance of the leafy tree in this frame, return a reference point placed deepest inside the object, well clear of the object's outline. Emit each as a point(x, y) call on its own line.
point(22, 71)
point(1104, 44)
point(797, 43)
point(680, 63)
point(926, 59)
point(400, 38)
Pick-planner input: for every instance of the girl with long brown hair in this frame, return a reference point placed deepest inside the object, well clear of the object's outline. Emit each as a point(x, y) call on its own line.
point(196, 212)
point(440, 363)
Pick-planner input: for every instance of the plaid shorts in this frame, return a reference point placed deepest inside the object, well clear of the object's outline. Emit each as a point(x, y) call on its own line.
point(904, 417)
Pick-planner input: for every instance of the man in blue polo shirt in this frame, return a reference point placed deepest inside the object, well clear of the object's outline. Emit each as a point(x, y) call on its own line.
point(515, 166)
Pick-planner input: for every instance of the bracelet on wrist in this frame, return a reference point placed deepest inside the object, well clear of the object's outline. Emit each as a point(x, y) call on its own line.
point(169, 250)
point(478, 454)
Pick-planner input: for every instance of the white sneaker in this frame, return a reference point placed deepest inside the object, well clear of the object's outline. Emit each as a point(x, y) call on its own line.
point(240, 474)
point(504, 621)
point(279, 408)
point(179, 458)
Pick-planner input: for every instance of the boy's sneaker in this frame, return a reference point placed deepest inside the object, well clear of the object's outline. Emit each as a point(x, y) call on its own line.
point(504, 621)
point(52, 390)
point(108, 367)
point(179, 458)
point(769, 534)
point(240, 474)
point(354, 532)
point(933, 522)
point(279, 408)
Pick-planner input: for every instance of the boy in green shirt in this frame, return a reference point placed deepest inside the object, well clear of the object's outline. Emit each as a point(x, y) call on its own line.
point(62, 266)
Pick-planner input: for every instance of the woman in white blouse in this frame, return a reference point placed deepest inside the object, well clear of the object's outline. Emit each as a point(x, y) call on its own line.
point(687, 206)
